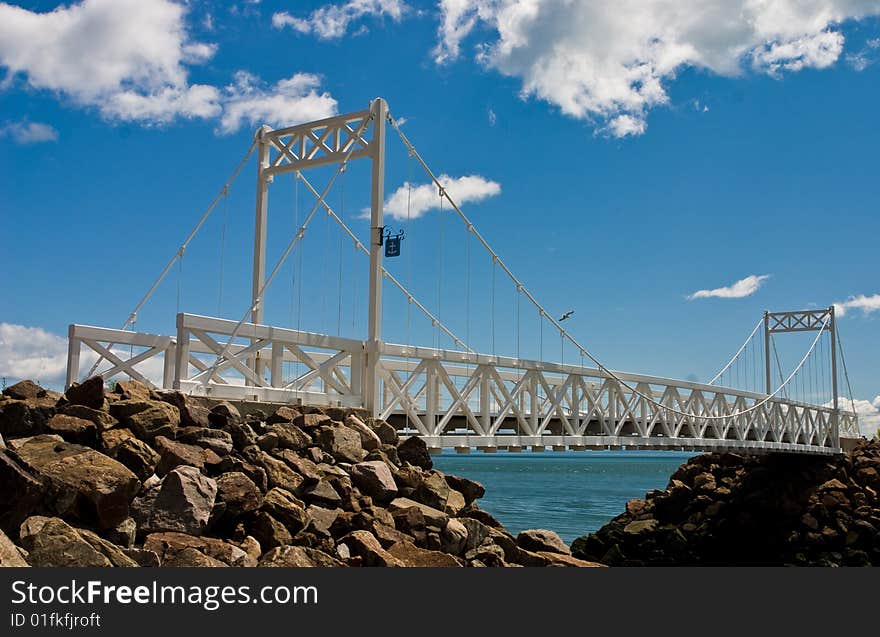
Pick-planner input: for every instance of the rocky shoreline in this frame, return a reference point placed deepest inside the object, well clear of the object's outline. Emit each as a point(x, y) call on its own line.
point(728, 509)
point(135, 477)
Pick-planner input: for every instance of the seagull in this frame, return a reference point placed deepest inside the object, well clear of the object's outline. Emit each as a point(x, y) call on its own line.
point(566, 315)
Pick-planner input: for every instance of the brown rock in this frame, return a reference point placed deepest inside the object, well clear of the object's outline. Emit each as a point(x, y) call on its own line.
point(298, 556)
point(323, 493)
point(182, 503)
point(432, 490)
point(369, 439)
point(290, 436)
point(342, 443)
point(224, 415)
point(414, 451)
point(375, 480)
point(147, 419)
point(286, 508)
point(364, 544)
point(132, 390)
point(542, 540)
point(433, 517)
point(239, 493)
point(113, 437)
point(411, 555)
point(24, 390)
point(73, 429)
point(23, 418)
point(83, 483)
point(311, 421)
point(21, 491)
point(189, 558)
point(51, 542)
point(166, 545)
point(89, 393)
point(468, 488)
point(309, 471)
point(387, 434)
point(137, 455)
point(192, 414)
point(10, 554)
point(559, 559)
point(283, 414)
point(173, 454)
point(269, 531)
point(101, 418)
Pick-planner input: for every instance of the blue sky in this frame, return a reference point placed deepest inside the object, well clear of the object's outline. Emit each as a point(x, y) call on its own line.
point(622, 160)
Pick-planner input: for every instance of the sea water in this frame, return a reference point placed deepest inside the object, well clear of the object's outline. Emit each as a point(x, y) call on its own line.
point(572, 493)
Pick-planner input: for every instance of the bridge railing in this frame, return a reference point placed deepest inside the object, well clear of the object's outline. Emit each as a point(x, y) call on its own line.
point(312, 367)
point(475, 396)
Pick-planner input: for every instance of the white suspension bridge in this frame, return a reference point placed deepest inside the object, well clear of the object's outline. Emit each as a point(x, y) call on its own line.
point(459, 398)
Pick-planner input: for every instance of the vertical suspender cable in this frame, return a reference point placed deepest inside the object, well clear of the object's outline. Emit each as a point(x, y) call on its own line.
point(341, 238)
point(223, 248)
point(440, 272)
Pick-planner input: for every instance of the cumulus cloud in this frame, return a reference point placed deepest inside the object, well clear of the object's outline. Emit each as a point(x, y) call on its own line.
point(742, 288)
point(29, 132)
point(867, 304)
point(291, 101)
point(420, 199)
point(332, 21)
point(40, 355)
point(608, 61)
point(868, 412)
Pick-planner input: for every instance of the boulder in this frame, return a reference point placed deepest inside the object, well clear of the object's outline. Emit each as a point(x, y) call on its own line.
point(101, 418)
point(174, 454)
point(310, 472)
point(560, 559)
point(182, 503)
point(192, 414)
point(10, 554)
point(542, 540)
point(255, 473)
point(433, 517)
point(386, 433)
point(364, 544)
point(374, 479)
point(342, 443)
point(321, 519)
point(51, 542)
point(137, 455)
point(123, 534)
point(239, 493)
point(307, 422)
point(468, 488)
point(278, 474)
point(477, 532)
point(132, 390)
point(166, 545)
point(414, 451)
point(269, 532)
point(190, 557)
point(82, 482)
point(369, 439)
point(322, 493)
point(147, 419)
point(290, 436)
point(432, 490)
point(223, 415)
point(298, 556)
point(217, 440)
point(73, 429)
point(411, 555)
point(23, 418)
point(21, 492)
point(283, 414)
point(454, 536)
point(89, 393)
point(287, 508)
point(24, 390)
point(640, 527)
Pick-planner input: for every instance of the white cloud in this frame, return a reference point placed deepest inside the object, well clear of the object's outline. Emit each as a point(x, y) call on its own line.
point(29, 132)
point(290, 101)
point(493, 118)
point(126, 57)
point(868, 412)
point(867, 304)
point(33, 353)
point(333, 20)
point(742, 288)
point(425, 197)
point(607, 61)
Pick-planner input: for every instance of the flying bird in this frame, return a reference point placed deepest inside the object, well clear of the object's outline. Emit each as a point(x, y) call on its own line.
point(566, 315)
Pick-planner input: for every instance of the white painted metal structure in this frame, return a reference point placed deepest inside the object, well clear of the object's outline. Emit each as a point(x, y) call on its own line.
point(458, 399)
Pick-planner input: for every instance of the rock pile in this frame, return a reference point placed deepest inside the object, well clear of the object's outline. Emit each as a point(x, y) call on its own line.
point(727, 509)
point(136, 477)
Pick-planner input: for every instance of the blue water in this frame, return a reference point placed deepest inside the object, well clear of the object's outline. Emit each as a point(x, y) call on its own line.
point(572, 493)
